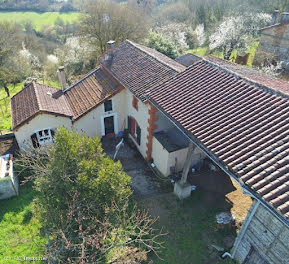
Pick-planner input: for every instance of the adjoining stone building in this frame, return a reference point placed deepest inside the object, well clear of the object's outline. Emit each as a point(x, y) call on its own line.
point(263, 239)
point(274, 41)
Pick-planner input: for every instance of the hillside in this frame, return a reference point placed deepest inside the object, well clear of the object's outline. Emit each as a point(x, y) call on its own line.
point(38, 19)
point(36, 5)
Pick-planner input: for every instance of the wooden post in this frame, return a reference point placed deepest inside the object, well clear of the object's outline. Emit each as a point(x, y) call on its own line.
point(188, 162)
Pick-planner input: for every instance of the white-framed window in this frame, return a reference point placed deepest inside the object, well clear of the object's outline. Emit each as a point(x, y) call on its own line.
point(108, 106)
point(42, 137)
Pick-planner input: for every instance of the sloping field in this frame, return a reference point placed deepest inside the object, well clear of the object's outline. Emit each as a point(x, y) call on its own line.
point(38, 19)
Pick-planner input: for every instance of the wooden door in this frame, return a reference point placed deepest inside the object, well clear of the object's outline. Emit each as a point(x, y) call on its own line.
point(109, 125)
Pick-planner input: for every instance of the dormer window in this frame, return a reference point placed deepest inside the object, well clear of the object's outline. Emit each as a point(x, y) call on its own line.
point(108, 106)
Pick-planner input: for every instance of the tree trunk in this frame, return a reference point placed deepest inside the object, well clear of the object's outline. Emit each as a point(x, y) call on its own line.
point(228, 54)
point(6, 90)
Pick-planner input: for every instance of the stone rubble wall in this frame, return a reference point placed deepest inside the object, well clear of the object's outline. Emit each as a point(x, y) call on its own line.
point(268, 235)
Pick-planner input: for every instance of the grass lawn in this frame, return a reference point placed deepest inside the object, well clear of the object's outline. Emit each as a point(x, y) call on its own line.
point(38, 19)
point(20, 235)
point(191, 228)
point(252, 51)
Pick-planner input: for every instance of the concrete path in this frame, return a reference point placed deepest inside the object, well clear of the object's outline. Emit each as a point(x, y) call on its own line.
point(144, 182)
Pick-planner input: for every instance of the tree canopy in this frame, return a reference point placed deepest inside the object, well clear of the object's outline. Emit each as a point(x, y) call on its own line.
point(84, 203)
point(158, 42)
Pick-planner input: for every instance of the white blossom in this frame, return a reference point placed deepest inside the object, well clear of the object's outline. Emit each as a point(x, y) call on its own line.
point(236, 31)
point(200, 32)
point(175, 33)
point(30, 58)
point(52, 58)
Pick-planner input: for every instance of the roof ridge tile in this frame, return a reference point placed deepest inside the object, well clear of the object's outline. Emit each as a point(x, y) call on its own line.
point(36, 95)
point(143, 49)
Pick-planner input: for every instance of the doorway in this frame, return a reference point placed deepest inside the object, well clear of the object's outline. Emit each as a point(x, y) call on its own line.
point(109, 126)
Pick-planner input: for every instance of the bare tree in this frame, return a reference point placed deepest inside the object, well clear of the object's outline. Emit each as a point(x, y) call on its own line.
point(105, 20)
point(9, 45)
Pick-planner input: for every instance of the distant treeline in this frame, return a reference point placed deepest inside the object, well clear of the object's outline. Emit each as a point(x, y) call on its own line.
point(37, 5)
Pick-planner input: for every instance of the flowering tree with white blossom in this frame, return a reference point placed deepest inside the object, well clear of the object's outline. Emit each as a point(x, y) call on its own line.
point(236, 32)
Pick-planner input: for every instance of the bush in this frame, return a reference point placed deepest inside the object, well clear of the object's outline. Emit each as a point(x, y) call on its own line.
point(157, 42)
point(192, 39)
point(84, 203)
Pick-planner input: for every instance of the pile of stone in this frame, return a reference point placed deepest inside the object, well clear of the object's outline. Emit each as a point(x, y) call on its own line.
point(224, 218)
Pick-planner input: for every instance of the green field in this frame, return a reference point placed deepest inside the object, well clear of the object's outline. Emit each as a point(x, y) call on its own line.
point(38, 19)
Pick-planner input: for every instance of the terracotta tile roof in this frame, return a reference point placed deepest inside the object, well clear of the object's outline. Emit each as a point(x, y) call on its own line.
point(37, 98)
point(188, 59)
point(90, 91)
point(75, 101)
point(243, 125)
point(139, 68)
point(260, 79)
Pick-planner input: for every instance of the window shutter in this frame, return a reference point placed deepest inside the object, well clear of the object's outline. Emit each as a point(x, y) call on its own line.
point(129, 124)
point(34, 140)
point(52, 131)
point(138, 132)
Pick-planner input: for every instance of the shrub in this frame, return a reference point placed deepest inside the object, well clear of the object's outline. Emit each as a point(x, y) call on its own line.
point(157, 42)
point(84, 203)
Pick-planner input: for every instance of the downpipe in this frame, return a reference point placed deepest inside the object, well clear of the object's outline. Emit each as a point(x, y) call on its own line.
point(226, 254)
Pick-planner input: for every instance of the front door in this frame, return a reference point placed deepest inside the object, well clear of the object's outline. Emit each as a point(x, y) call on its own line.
point(109, 125)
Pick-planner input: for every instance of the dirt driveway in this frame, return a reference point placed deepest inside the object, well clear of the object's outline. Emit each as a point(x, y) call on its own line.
point(145, 183)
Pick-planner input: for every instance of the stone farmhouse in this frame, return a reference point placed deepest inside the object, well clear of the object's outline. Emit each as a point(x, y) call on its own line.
point(177, 116)
point(274, 41)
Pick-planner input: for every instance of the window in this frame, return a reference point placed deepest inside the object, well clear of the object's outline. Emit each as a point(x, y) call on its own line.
point(108, 106)
point(134, 129)
point(42, 137)
point(135, 103)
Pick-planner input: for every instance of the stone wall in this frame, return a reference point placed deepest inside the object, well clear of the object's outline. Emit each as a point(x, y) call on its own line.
point(7, 189)
point(267, 235)
point(275, 41)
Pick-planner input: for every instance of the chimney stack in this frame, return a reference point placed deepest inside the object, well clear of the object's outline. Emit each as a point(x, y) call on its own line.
point(61, 77)
point(275, 16)
point(284, 18)
point(110, 46)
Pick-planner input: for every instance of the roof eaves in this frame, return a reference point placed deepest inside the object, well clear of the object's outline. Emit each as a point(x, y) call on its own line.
point(37, 113)
point(223, 166)
point(74, 119)
point(273, 26)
